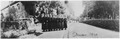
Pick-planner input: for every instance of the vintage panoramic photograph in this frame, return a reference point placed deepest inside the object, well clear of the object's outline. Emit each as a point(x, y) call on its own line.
point(59, 19)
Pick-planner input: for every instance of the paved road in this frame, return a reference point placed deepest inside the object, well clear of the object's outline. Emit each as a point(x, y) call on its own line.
point(79, 30)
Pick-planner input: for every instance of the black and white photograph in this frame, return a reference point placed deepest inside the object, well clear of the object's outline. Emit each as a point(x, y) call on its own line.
point(37, 19)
